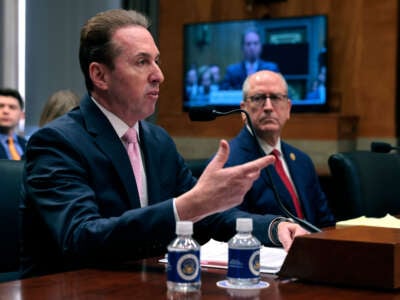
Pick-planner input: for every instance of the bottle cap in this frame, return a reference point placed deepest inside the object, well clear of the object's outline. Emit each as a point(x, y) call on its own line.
point(244, 224)
point(184, 227)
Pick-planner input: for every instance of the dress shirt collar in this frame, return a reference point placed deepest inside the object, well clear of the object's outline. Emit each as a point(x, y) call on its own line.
point(268, 148)
point(252, 66)
point(265, 146)
point(119, 126)
point(4, 137)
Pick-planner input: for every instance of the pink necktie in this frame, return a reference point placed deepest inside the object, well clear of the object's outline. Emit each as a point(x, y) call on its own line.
point(288, 184)
point(134, 156)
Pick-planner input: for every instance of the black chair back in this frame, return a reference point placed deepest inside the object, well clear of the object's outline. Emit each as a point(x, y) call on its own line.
point(10, 187)
point(365, 183)
point(197, 166)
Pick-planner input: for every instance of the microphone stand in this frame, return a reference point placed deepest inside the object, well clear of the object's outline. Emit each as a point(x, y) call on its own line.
point(305, 224)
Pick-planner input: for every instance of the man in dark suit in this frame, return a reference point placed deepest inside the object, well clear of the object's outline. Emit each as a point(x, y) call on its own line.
point(85, 205)
point(11, 112)
point(235, 74)
point(265, 99)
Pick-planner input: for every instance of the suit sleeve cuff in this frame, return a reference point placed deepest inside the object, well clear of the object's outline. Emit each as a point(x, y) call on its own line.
point(273, 230)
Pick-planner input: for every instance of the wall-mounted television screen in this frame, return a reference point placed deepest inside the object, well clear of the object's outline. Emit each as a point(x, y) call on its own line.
point(218, 56)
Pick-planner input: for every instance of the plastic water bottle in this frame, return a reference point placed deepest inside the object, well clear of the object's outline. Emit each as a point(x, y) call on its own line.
point(183, 270)
point(244, 255)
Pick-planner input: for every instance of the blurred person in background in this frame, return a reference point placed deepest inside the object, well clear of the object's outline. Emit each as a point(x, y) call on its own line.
point(11, 113)
point(58, 104)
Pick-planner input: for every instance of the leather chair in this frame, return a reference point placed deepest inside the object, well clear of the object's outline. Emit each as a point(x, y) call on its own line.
point(365, 183)
point(10, 187)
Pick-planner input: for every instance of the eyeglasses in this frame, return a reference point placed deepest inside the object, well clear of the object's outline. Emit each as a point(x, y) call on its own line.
point(276, 99)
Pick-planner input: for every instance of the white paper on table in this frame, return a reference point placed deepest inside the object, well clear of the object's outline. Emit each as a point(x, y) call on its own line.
point(214, 254)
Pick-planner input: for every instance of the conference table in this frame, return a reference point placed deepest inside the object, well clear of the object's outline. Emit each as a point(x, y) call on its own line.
point(146, 279)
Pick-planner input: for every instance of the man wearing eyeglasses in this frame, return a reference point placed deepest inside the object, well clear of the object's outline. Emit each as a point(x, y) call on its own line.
point(265, 98)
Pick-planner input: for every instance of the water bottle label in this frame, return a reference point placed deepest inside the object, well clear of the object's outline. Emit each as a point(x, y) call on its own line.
point(244, 263)
point(183, 266)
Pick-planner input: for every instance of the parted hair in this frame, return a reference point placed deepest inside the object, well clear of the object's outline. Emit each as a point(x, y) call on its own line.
point(96, 35)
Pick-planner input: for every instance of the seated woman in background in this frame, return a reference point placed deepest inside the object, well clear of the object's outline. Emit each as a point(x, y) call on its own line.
point(58, 104)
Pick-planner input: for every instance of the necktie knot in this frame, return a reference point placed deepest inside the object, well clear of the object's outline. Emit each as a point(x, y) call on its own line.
point(130, 136)
point(275, 153)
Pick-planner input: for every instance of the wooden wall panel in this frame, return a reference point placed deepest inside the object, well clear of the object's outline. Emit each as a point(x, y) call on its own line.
point(362, 46)
point(376, 93)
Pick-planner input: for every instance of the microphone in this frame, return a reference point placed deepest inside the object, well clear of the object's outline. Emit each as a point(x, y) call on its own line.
point(382, 147)
point(209, 113)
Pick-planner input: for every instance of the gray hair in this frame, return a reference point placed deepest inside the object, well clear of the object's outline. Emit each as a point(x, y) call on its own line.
point(246, 83)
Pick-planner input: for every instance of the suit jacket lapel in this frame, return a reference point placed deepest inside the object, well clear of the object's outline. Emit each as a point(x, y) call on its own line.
point(22, 143)
point(243, 71)
point(152, 161)
point(248, 146)
point(108, 141)
point(3, 153)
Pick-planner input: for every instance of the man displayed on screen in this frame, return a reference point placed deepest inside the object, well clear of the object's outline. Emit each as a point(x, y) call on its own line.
point(251, 48)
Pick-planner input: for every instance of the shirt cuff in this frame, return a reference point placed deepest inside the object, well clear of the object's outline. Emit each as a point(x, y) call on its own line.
point(175, 211)
point(273, 230)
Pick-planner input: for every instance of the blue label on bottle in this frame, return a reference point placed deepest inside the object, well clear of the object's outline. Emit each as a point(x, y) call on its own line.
point(183, 267)
point(244, 263)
